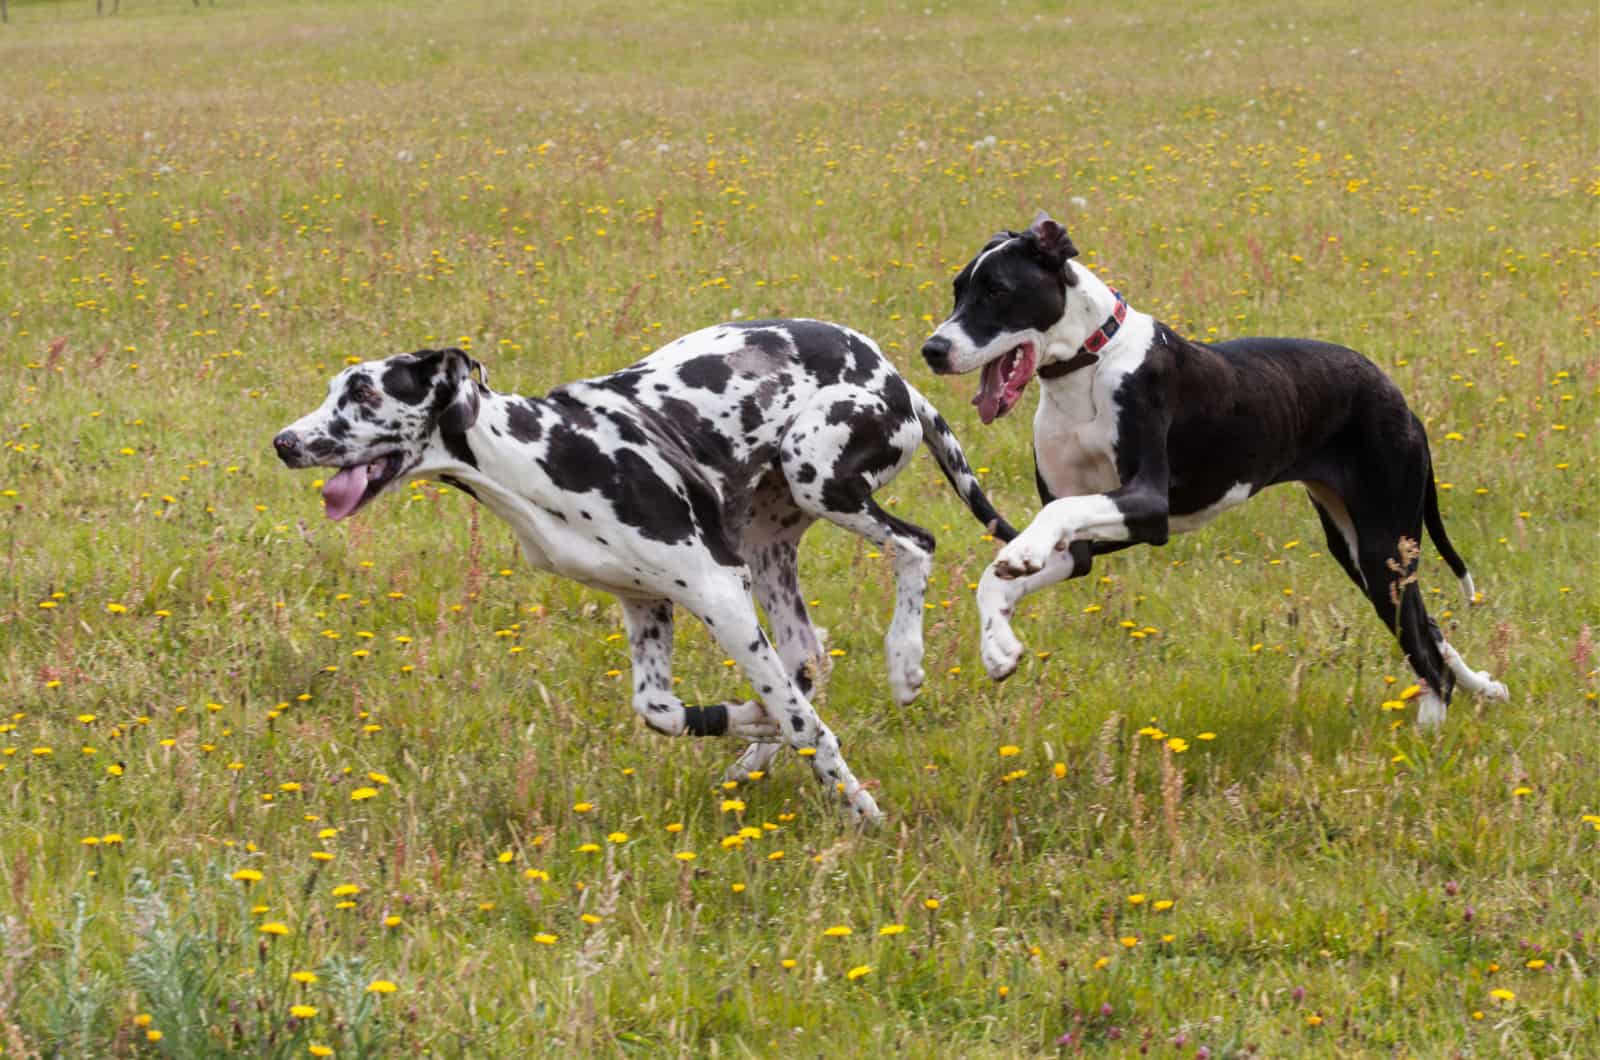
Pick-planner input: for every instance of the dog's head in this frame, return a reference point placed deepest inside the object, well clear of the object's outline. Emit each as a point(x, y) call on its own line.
point(1006, 299)
point(383, 420)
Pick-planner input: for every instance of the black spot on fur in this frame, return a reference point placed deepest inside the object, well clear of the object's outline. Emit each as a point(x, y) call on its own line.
point(522, 419)
point(841, 412)
point(405, 381)
point(710, 372)
point(627, 428)
point(696, 434)
point(765, 337)
point(573, 409)
point(456, 442)
point(574, 462)
point(625, 382)
point(646, 503)
point(751, 414)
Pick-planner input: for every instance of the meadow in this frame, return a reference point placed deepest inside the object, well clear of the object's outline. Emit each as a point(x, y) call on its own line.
point(281, 787)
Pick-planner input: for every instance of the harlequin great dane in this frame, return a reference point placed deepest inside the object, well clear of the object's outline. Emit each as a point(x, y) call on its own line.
point(1141, 433)
point(684, 479)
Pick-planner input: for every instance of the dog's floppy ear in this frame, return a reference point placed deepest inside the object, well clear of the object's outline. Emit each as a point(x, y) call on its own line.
point(458, 391)
point(1051, 240)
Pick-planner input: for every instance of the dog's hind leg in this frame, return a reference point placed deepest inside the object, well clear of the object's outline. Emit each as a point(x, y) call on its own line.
point(722, 601)
point(770, 548)
point(841, 448)
point(649, 625)
point(1388, 565)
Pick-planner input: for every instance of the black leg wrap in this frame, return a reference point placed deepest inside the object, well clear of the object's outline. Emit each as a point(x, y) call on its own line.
point(705, 721)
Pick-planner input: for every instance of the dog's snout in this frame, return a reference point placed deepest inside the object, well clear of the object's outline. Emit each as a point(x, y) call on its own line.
point(936, 351)
point(287, 443)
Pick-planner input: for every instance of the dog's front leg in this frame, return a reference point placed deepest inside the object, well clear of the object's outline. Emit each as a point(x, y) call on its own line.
point(1134, 512)
point(998, 598)
point(1138, 514)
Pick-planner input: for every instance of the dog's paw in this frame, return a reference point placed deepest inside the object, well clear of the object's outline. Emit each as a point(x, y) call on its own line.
point(864, 807)
point(1492, 689)
point(1430, 709)
point(749, 721)
point(905, 667)
point(1001, 649)
point(905, 684)
point(1027, 554)
point(754, 759)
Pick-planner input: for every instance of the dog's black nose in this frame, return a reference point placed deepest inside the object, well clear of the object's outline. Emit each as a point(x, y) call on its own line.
point(936, 351)
point(287, 443)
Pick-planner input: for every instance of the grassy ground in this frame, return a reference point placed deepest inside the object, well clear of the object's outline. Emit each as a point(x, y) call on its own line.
point(1188, 824)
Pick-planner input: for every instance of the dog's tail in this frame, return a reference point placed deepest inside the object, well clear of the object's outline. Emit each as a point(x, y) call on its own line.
point(1435, 524)
point(941, 441)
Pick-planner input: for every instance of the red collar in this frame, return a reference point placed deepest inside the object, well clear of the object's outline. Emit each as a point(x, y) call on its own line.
point(1089, 352)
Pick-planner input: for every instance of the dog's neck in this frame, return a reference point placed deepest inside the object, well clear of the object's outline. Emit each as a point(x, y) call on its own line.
point(1090, 304)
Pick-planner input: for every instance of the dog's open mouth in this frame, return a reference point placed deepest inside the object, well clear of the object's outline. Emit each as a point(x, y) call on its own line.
point(353, 486)
point(1003, 380)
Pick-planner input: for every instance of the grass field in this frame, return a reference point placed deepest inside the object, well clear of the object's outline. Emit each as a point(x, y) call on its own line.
point(281, 786)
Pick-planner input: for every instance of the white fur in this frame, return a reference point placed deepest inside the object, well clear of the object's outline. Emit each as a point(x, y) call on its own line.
point(1237, 494)
point(1478, 682)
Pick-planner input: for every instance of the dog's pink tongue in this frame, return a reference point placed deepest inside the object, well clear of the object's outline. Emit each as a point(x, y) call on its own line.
point(991, 399)
point(342, 492)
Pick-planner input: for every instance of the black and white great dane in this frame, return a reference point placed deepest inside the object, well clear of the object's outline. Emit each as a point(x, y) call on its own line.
point(1141, 433)
point(688, 479)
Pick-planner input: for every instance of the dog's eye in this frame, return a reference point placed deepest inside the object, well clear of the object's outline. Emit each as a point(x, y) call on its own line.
point(364, 394)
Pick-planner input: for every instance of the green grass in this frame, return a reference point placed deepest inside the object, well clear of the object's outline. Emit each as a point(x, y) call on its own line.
point(204, 212)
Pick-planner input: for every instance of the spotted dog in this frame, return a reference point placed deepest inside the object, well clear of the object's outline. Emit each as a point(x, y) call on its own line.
point(1141, 433)
point(686, 479)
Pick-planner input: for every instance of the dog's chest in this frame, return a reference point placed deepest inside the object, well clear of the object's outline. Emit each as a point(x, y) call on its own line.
point(1074, 439)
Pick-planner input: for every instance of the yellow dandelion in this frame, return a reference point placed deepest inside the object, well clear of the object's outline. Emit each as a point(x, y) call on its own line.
point(303, 1012)
point(381, 986)
point(858, 971)
point(273, 927)
point(891, 929)
point(837, 931)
